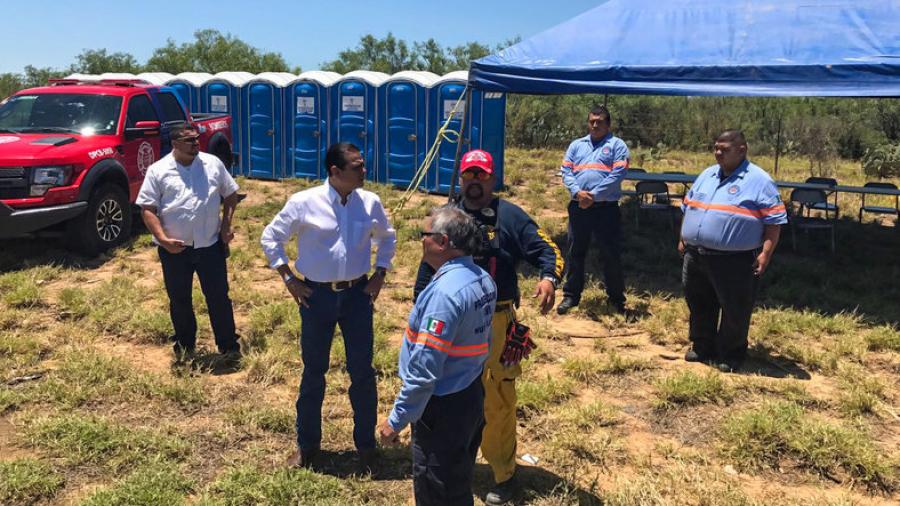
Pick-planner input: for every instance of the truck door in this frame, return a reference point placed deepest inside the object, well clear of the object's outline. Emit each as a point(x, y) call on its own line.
point(141, 148)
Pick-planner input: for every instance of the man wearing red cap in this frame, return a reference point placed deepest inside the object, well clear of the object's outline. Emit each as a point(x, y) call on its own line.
point(509, 236)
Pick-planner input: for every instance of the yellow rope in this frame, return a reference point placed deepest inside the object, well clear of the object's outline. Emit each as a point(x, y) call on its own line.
point(444, 133)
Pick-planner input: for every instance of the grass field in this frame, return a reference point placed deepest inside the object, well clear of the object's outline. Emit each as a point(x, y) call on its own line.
point(92, 411)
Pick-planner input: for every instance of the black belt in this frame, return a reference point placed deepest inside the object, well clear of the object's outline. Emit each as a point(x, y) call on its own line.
point(603, 203)
point(336, 286)
point(700, 250)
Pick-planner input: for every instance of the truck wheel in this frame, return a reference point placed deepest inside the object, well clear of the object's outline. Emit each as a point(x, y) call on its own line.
point(222, 151)
point(105, 224)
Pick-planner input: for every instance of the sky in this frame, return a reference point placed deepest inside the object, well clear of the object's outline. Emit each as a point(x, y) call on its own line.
point(46, 33)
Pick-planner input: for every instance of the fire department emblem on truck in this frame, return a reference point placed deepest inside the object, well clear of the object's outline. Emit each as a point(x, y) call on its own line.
point(145, 157)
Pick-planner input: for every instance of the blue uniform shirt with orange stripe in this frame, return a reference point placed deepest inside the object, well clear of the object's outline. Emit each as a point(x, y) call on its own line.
point(730, 214)
point(448, 338)
point(597, 167)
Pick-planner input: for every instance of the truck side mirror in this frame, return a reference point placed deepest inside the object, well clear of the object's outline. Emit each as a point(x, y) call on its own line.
point(143, 129)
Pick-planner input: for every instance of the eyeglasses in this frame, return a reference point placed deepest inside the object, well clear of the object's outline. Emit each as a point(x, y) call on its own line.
point(423, 234)
point(189, 140)
point(475, 174)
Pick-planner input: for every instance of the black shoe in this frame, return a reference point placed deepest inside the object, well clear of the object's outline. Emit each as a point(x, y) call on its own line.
point(302, 458)
point(566, 304)
point(618, 307)
point(184, 355)
point(502, 493)
point(368, 460)
point(729, 365)
point(693, 356)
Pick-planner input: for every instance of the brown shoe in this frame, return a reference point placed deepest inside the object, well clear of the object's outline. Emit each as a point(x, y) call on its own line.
point(302, 458)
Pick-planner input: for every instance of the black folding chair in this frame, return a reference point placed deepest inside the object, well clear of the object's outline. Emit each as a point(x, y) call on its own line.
point(684, 186)
point(653, 196)
point(826, 207)
point(806, 198)
point(632, 170)
point(863, 208)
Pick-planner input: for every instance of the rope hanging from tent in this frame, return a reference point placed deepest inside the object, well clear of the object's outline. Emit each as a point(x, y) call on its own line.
point(444, 133)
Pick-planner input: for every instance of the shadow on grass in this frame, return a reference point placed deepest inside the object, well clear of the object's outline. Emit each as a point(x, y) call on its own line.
point(536, 483)
point(391, 464)
point(25, 252)
point(862, 276)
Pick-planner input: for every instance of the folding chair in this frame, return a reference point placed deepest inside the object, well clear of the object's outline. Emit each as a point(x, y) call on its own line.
point(631, 193)
point(806, 198)
point(826, 207)
point(684, 186)
point(863, 208)
point(653, 196)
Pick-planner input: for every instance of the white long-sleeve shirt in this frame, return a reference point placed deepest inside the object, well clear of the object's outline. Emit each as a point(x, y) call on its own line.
point(334, 240)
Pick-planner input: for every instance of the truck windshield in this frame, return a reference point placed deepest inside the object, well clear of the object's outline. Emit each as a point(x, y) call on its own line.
point(61, 112)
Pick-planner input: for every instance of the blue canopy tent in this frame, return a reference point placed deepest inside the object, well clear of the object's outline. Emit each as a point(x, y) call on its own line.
point(840, 48)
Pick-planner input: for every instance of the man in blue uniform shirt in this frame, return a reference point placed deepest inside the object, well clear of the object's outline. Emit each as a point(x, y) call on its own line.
point(441, 360)
point(592, 171)
point(732, 221)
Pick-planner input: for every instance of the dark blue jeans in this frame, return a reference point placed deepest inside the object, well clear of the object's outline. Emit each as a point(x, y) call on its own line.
point(604, 222)
point(352, 310)
point(178, 274)
point(444, 444)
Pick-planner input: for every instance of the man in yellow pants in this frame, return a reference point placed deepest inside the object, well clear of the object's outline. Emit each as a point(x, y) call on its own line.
point(509, 236)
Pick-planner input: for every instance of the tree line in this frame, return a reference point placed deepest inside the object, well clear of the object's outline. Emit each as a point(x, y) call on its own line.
point(818, 129)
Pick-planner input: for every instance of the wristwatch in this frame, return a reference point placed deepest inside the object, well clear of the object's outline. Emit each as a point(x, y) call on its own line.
point(553, 281)
point(288, 277)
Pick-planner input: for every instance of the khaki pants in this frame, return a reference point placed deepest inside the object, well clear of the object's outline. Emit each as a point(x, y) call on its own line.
point(498, 440)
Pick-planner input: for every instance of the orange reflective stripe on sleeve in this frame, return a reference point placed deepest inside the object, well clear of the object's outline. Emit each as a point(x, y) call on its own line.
point(429, 340)
point(592, 166)
point(620, 163)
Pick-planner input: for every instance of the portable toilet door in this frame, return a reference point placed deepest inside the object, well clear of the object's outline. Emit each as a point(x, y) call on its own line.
point(263, 99)
point(355, 112)
point(307, 100)
point(155, 78)
point(403, 126)
point(222, 95)
point(445, 93)
point(187, 85)
point(491, 107)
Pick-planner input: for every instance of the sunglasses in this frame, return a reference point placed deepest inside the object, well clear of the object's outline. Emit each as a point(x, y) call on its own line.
point(189, 140)
point(475, 174)
point(423, 234)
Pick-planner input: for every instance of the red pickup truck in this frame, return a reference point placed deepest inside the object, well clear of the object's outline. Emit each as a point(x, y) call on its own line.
point(73, 155)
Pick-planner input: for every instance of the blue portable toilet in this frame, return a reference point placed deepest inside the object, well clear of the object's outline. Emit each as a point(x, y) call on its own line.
point(403, 126)
point(307, 109)
point(222, 95)
point(155, 78)
point(263, 110)
point(444, 94)
point(187, 85)
point(354, 116)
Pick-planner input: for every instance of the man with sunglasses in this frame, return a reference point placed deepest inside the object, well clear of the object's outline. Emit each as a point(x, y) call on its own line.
point(592, 170)
point(336, 225)
point(180, 200)
point(445, 345)
point(508, 236)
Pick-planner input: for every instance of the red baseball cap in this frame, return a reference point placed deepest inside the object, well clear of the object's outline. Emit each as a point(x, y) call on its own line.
point(477, 158)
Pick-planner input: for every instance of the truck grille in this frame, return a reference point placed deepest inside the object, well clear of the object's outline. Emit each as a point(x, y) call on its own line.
point(13, 183)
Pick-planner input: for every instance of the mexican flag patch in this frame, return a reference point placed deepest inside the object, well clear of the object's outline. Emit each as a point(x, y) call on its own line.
point(435, 327)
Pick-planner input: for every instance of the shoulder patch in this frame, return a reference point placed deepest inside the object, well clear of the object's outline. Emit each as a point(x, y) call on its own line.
point(435, 327)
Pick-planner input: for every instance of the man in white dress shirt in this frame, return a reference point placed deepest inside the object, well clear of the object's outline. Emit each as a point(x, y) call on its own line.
point(180, 200)
point(336, 225)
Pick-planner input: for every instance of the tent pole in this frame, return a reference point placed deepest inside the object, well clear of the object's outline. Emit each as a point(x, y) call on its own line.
point(459, 143)
point(778, 144)
point(605, 100)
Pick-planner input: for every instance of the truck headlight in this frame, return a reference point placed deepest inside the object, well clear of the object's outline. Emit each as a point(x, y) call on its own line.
point(44, 178)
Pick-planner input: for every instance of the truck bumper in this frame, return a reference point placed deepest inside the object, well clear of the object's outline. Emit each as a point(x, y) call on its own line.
point(15, 223)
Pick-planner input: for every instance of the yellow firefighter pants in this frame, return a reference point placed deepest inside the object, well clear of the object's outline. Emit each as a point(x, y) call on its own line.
point(498, 440)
